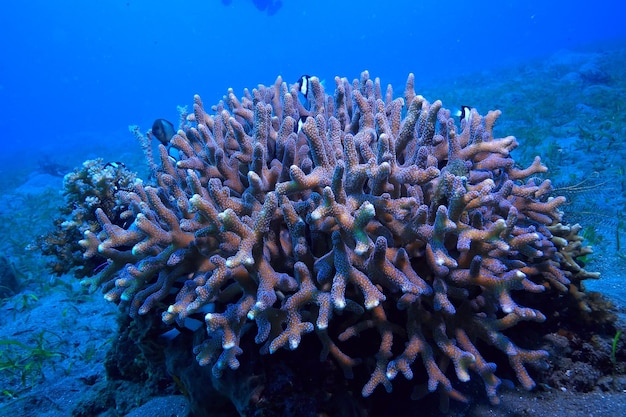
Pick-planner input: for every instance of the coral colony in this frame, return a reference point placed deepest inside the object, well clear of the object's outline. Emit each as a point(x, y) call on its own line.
point(340, 215)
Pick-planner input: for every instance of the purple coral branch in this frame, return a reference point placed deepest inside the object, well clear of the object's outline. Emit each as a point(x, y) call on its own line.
point(412, 226)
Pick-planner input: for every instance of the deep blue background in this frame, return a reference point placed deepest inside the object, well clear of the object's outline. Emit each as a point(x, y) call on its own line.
point(83, 68)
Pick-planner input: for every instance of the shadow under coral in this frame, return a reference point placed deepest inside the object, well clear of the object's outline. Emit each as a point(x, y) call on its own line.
point(143, 362)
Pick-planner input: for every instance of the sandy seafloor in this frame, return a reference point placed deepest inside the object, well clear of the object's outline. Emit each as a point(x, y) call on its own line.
point(569, 108)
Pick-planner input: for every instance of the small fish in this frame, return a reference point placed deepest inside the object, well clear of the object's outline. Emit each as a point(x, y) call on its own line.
point(306, 95)
point(301, 121)
point(163, 130)
point(304, 85)
point(115, 165)
point(464, 113)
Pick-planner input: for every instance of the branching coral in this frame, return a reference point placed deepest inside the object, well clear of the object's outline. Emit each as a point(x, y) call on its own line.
point(372, 214)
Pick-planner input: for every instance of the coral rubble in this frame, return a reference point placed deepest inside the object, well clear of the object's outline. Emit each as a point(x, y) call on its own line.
point(340, 216)
point(92, 186)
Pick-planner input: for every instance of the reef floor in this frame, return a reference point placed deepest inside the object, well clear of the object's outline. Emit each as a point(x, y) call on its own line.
point(76, 333)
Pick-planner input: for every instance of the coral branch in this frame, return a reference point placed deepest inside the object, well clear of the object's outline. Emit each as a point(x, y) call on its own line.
point(356, 221)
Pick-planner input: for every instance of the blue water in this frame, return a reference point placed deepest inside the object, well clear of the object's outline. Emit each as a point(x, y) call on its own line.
point(74, 66)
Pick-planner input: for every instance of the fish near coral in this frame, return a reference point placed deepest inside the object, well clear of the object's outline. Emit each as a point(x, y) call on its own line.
point(163, 130)
point(377, 216)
